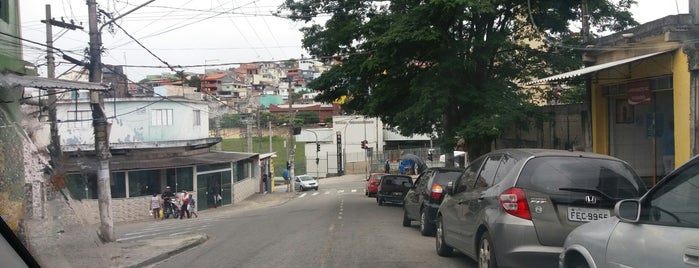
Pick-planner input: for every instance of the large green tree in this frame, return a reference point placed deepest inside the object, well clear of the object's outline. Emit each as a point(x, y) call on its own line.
point(445, 67)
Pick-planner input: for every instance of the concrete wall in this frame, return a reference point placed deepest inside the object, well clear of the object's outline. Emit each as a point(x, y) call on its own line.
point(134, 122)
point(245, 188)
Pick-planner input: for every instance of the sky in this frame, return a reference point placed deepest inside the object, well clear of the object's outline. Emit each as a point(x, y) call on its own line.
point(218, 33)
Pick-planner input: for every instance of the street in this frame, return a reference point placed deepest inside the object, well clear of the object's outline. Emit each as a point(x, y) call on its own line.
point(335, 226)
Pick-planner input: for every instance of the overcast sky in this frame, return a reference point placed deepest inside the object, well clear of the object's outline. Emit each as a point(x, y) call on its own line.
point(197, 32)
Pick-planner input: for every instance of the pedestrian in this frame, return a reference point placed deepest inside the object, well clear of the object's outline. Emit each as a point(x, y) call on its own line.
point(155, 206)
point(387, 167)
point(193, 206)
point(184, 200)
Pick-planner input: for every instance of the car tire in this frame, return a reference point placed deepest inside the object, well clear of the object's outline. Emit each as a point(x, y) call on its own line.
point(380, 200)
point(426, 228)
point(406, 220)
point(316, 188)
point(486, 252)
point(366, 193)
point(443, 249)
point(302, 189)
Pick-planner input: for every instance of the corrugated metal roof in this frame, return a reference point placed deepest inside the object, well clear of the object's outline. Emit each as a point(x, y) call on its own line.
point(124, 163)
point(594, 68)
point(13, 80)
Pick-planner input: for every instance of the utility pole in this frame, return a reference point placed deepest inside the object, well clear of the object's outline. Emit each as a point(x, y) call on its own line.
point(99, 122)
point(55, 146)
point(269, 125)
point(291, 139)
point(587, 61)
point(101, 126)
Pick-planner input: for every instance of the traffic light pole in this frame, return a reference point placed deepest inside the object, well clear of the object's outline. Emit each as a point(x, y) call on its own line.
point(317, 150)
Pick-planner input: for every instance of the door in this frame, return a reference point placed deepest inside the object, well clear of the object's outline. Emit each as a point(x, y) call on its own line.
point(454, 216)
point(412, 199)
point(667, 234)
point(474, 203)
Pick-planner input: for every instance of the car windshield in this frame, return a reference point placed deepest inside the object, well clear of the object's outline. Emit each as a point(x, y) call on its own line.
point(305, 178)
point(609, 178)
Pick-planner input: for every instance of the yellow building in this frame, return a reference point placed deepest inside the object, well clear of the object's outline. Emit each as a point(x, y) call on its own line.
point(643, 94)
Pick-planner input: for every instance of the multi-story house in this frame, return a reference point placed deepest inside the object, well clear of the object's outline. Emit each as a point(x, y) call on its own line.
point(151, 150)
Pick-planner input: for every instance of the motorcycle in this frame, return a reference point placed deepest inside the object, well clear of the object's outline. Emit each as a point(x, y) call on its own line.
point(171, 208)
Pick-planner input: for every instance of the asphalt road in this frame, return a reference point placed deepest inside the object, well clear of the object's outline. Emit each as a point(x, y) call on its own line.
point(337, 226)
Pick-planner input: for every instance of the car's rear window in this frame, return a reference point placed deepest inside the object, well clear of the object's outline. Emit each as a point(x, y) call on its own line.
point(556, 175)
point(398, 181)
point(444, 177)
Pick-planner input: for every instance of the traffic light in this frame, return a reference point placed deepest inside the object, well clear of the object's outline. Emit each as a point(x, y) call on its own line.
point(364, 144)
point(317, 147)
point(288, 165)
point(429, 156)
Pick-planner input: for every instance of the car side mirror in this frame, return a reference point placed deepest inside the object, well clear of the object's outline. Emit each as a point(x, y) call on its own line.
point(450, 188)
point(297, 180)
point(628, 210)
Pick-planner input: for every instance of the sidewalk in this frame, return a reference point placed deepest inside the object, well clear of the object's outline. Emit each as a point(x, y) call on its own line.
point(79, 246)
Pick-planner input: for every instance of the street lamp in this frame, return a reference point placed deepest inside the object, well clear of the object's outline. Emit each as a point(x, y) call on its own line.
point(317, 144)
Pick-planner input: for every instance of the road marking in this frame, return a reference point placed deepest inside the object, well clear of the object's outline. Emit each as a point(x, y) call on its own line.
point(339, 217)
point(340, 191)
point(179, 233)
point(354, 190)
point(327, 192)
point(302, 195)
point(129, 238)
point(315, 193)
point(332, 227)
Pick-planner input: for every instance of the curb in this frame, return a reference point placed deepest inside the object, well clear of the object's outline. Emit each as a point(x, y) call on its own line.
point(163, 256)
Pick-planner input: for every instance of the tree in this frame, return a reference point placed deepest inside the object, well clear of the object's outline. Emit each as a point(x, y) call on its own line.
point(308, 117)
point(194, 81)
point(444, 67)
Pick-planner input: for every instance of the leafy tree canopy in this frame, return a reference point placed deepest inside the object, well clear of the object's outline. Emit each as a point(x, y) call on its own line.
point(445, 67)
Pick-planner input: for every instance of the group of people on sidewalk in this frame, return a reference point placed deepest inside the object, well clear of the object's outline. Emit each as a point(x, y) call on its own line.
point(184, 201)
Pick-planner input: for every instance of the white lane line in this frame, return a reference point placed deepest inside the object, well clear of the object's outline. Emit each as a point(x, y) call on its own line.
point(129, 238)
point(354, 190)
point(302, 195)
point(178, 233)
point(315, 193)
point(340, 191)
point(327, 192)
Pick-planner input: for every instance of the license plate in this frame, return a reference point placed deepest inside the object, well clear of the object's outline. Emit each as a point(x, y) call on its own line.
point(397, 193)
point(587, 214)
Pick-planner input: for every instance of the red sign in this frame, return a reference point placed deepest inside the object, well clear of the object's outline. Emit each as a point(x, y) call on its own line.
point(638, 93)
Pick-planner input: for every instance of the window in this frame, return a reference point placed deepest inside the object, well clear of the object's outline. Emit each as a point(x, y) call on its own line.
point(507, 163)
point(5, 10)
point(144, 182)
point(180, 179)
point(197, 118)
point(675, 202)
point(161, 117)
point(79, 119)
point(487, 175)
point(469, 175)
point(84, 186)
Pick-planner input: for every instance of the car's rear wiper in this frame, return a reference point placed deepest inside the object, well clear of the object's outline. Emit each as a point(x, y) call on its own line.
point(588, 191)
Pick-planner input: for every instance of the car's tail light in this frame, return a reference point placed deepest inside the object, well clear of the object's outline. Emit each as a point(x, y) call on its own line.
point(436, 191)
point(514, 202)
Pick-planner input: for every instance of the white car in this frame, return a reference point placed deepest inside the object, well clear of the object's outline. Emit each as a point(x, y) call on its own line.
point(661, 229)
point(305, 182)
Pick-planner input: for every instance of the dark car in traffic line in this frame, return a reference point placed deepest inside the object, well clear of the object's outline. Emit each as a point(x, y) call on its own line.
point(515, 207)
point(423, 200)
point(393, 188)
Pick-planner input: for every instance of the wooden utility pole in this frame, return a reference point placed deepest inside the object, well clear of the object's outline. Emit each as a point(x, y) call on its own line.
point(587, 119)
point(101, 129)
point(291, 138)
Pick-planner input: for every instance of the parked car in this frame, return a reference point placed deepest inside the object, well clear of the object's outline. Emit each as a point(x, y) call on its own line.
point(372, 184)
point(392, 188)
point(305, 182)
point(423, 200)
point(661, 229)
point(515, 207)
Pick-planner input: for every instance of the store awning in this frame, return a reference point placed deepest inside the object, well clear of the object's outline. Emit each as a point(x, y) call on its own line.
point(594, 68)
point(12, 80)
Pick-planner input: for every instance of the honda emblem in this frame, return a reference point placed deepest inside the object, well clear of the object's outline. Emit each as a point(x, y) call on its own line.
point(591, 199)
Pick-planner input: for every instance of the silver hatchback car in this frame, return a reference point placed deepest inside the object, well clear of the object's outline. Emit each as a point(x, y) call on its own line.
point(515, 207)
point(661, 229)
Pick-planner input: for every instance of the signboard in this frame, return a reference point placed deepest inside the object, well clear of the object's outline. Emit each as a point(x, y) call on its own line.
point(638, 93)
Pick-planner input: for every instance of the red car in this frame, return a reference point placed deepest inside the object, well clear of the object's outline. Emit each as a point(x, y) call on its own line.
point(372, 184)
